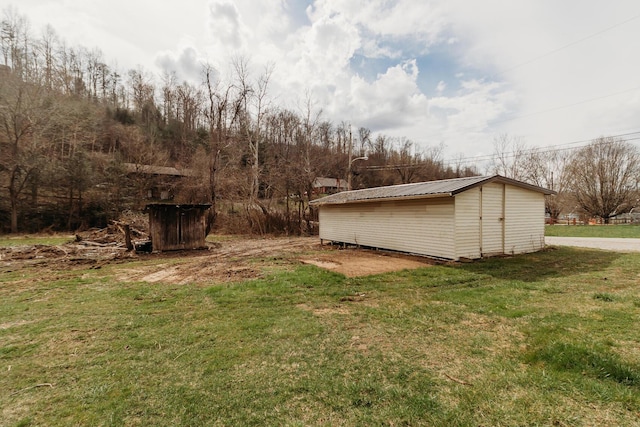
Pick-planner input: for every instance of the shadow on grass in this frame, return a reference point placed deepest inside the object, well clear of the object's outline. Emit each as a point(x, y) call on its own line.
point(541, 265)
point(597, 363)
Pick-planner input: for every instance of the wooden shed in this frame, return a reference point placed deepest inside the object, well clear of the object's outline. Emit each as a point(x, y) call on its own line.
point(176, 227)
point(455, 218)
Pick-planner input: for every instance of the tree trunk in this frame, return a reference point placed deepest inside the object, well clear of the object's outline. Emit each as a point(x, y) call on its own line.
point(14, 214)
point(70, 208)
point(127, 237)
point(213, 168)
point(15, 188)
point(82, 223)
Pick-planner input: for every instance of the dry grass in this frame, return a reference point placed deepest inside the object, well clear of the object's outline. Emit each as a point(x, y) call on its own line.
point(540, 339)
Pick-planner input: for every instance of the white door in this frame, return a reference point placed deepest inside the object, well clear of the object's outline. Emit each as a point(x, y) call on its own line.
point(492, 219)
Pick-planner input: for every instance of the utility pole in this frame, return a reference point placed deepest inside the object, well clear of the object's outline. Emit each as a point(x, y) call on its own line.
point(350, 161)
point(349, 171)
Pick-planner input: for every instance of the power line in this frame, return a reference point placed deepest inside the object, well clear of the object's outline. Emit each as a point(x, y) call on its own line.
point(582, 141)
point(510, 155)
point(536, 58)
point(547, 149)
point(590, 36)
point(586, 101)
point(507, 155)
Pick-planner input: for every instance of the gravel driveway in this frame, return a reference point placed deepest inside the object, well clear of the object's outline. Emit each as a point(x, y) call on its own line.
point(606, 243)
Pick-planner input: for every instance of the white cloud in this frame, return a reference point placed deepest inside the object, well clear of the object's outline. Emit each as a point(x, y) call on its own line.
point(474, 107)
point(315, 59)
point(459, 120)
point(421, 20)
point(487, 83)
point(186, 64)
point(225, 24)
point(392, 100)
point(553, 57)
point(327, 48)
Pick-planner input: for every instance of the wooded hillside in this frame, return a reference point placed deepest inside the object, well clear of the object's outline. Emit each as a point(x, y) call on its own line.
point(82, 141)
point(77, 134)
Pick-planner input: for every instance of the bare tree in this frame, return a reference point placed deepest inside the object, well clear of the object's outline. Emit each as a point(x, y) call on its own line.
point(217, 103)
point(225, 115)
point(244, 91)
point(509, 156)
point(47, 43)
point(94, 72)
point(604, 177)
point(406, 162)
point(142, 93)
point(460, 167)
point(343, 137)
point(188, 100)
point(549, 169)
point(22, 113)
point(251, 105)
point(309, 175)
point(168, 96)
point(14, 41)
point(259, 98)
point(364, 136)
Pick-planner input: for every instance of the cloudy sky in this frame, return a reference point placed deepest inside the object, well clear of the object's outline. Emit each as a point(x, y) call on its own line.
point(457, 72)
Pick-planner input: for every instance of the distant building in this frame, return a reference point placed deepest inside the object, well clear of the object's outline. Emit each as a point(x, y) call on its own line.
point(165, 179)
point(329, 185)
point(157, 170)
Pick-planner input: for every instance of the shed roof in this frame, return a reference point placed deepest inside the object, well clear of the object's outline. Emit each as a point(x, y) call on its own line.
point(329, 182)
point(157, 170)
point(178, 205)
point(429, 189)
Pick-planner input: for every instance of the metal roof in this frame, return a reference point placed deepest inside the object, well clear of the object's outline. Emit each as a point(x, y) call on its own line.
point(329, 182)
point(419, 190)
point(157, 170)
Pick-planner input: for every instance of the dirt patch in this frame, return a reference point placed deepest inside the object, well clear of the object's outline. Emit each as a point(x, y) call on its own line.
point(233, 258)
point(361, 262)
point(238, 258)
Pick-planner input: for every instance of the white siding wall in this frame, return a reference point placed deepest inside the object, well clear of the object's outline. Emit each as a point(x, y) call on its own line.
point(467, 231)
point(492, 219)
point(417, 226)
point(524, 227)
point(444, 227)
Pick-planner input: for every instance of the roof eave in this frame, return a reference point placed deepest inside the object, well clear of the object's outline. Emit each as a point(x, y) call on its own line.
point(505, 180)
point(526, 185)
point(478, 183)
point(319, 202)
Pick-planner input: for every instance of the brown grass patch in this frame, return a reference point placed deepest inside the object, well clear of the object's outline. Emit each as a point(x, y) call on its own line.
point(362, 262)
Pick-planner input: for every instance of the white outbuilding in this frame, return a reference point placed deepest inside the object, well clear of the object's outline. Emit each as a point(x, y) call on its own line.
point(458, 218)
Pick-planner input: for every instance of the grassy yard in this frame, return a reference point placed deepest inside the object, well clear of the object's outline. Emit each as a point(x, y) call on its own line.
point(541, 339)
point(625, 231)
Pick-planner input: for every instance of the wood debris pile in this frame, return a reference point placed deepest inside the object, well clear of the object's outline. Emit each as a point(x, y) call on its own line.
point(89, 246)
point(73, 253)
point(113, 235)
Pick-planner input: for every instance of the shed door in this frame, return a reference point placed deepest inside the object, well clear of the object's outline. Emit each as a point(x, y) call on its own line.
point(492, 219)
